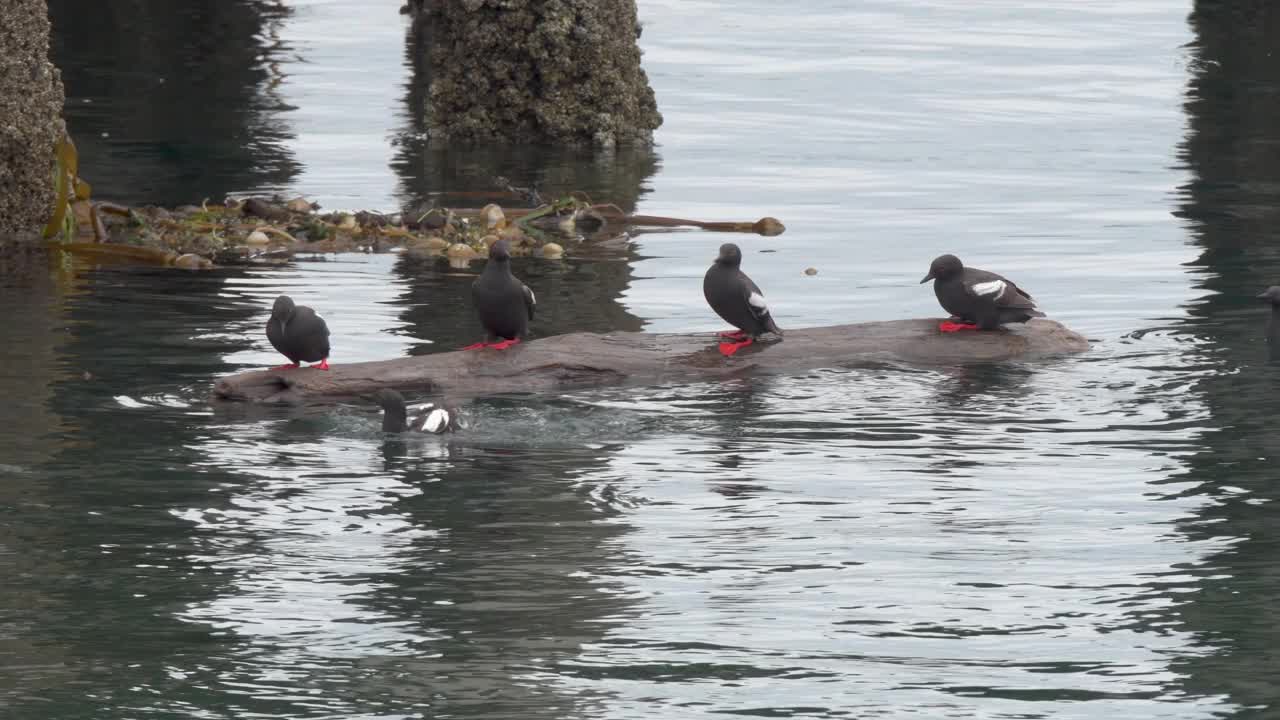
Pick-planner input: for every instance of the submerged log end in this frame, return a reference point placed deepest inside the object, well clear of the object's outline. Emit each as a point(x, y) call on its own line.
point(267, 386)
point(1058, 338)
point(297, 386)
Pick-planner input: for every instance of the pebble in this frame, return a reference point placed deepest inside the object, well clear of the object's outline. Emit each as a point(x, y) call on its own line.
point(191, 261)
point(552, 251)
point(492, 217)
point(257, 238)
point(811, 271)
point(431, 243)
point(461, 251)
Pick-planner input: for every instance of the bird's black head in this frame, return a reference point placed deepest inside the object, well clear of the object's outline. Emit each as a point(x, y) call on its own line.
point(1271, 295)
point(283, 307)
point(730, 255)
point(389, 399)
point(393, 410)
point(500, 251)
point(943, 267)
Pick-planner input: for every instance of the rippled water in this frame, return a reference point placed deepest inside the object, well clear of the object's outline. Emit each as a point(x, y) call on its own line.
point(1079, 538)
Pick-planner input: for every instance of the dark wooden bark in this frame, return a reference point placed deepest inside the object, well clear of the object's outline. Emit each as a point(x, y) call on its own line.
point(583, 360)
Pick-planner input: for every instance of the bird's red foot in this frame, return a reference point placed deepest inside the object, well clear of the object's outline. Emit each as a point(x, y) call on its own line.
point(291, 366)
point(505, 344)
point(322, 365)
point(476, 346)
point(728, 349)
point(735, 334)
point(948, 326)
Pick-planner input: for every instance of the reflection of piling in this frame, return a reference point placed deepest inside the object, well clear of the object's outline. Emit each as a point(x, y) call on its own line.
point(31, 104)
point(538, 71)
point(1232, 152)
point(134, 72)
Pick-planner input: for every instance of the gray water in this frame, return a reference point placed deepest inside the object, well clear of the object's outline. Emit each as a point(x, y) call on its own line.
point(1079, 538)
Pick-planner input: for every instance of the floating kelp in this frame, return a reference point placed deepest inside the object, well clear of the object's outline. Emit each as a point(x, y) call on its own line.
point(257, 230)
point(68, 188)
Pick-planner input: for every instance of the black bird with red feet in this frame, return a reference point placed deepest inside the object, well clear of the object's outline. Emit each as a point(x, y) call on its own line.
point(298, 333)
point(977, 299)
point(505, 304)
point(737, 300)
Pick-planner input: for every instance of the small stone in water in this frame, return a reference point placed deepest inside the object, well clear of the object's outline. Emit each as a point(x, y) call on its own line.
point(460, 251)
point(811, 271)
point(552, 251)
point(257, 237)
point(493, 217)
point(431, 243)
point(191, 261)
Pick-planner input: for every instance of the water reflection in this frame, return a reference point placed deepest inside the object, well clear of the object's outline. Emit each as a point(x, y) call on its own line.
point(1077, 538)
point(427, 169)
point(172, 102)
point(1232, 148)
point(32, 361)
point(807, 591)
point(350, 568)
point(579, 296)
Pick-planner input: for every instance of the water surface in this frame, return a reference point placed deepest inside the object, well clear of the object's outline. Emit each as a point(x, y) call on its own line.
point(1079, 538)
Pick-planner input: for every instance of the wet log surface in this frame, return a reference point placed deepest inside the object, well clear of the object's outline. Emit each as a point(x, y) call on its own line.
point(575, 361)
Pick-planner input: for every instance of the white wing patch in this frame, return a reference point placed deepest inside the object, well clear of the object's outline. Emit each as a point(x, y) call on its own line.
point(994, 288)
point(437, 420)
point(532, 299)
point(757, 301)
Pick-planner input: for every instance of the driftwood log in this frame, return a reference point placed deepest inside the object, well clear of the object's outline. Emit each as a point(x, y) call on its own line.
point(582, 360)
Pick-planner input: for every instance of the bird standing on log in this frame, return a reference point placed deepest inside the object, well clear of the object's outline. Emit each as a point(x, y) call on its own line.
point(505, 304)
point(737, 300)
point(977, 299)
point(298, 333)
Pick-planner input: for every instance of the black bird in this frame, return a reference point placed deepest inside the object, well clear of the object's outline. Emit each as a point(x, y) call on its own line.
point(980, 300)
point(298, 333)
point(425, 418)
point(504, 303)
point(1272, 296)
point(737, 300)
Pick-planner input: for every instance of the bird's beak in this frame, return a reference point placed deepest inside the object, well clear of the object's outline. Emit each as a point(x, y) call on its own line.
point(927, 278)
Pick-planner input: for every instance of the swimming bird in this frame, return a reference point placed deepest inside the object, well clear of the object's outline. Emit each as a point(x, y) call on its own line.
point(737, 300)
point(425, 418)
point(1272, 296)
point(504, 303)
point(298, 333)
point(978, 299)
